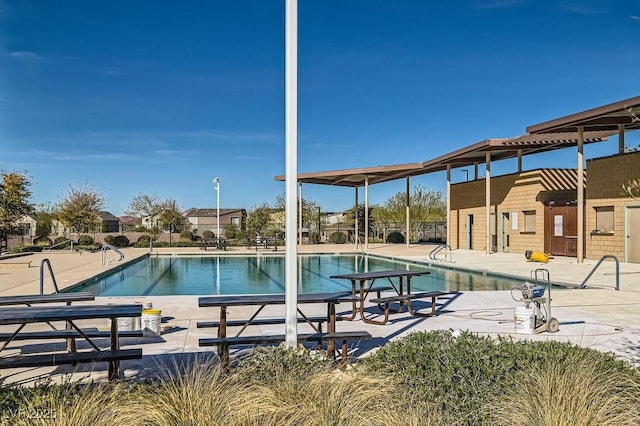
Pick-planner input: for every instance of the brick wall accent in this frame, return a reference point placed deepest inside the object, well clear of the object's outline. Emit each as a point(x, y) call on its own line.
point(606, 177)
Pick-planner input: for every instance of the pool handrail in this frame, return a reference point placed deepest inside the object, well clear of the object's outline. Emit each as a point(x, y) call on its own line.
point(59, 244)
point(606, 256)
point(106, 247)
point(437, 249)
point(53, 277)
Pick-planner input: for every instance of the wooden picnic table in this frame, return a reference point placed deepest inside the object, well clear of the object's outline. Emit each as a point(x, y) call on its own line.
point(263, 300)
point(264, 243)
point(37, 299)
point(363, 282)
point(22, 316)
point(32, 299)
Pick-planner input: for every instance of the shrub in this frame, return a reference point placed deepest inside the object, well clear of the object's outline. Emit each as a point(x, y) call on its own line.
point(338, 238)
point(43, 241)
point(207, 234)
point(187, 235)
point(315, 238)
point(26, 249)
point(85, 240)
point(117, 240)
point(395, 238)
point(466, 374)
point(60, 239)
point(230, 231)
point(143, 241)
point(584, 388)
point(121, 241)
point(269, 365)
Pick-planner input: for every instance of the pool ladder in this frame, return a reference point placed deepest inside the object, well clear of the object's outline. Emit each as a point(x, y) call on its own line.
point(104, 253)
point(433, 254)
point(53, 277)
point(606, 256)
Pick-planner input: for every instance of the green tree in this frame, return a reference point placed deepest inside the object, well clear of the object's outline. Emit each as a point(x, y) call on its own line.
point(310, 213)
point(146, 206)
point(45, 213)
point(425, 206)
point(310, 209)
point(258, 218)
point(350, 219)
point(14, 196)
point(79, 210)
point(171, 218)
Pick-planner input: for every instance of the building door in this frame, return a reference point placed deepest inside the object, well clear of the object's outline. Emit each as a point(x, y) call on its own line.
point(493, 232)
point(470, 232)
point(561, 230)
point(505, 225)
point(633, 234)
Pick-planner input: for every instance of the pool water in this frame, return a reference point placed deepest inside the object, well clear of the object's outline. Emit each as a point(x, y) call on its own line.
point(209, 275)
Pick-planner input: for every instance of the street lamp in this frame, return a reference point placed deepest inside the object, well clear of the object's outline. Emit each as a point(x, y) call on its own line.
point(217, 182)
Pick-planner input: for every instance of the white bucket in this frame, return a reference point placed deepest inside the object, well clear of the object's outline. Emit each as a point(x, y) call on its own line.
point(151, 319)
point(125, 324)
point(525, 320)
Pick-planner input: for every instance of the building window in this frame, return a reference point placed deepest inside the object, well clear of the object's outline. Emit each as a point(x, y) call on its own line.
point(529, 221)
point(604, 219)
point(235, 221)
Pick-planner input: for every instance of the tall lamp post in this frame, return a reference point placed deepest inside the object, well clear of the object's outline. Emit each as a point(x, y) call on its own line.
point(217, 182)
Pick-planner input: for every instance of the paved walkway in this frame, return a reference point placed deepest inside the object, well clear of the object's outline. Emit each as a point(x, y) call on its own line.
point(597, 317)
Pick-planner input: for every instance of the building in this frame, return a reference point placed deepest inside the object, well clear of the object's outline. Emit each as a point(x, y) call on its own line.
point(107, 222)
point(200, 220)
point(557, 211)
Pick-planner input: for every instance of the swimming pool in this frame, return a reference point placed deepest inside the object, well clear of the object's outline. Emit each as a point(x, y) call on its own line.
point(208, 275)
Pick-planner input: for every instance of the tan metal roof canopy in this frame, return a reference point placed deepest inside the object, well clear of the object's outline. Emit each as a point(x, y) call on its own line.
point(608, 117)
point(499, 149)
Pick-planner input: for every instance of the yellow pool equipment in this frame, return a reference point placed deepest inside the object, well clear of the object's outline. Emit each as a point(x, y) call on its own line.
point(536, 256)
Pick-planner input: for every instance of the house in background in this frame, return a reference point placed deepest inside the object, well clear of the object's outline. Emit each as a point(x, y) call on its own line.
point(200, 220)
point(108, 222)
point(130, 223)
point(27, 226)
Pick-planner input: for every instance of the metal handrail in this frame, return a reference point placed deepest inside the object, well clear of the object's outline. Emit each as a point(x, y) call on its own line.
point(53, 277)
point(440, 247)
point(606, 256)
point(106, 247)
point(359, 243)
point(59, 244)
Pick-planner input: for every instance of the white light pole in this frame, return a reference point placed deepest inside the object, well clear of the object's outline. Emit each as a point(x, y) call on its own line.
point(217, 182)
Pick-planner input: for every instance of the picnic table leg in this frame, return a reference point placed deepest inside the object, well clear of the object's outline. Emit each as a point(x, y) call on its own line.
point(223, 348)
point(331, 328)
point(354, 307)
point(362, 297)
point(114, 365)
point(71, 343)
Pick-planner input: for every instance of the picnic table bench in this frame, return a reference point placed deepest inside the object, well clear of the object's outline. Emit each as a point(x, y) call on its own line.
point(262, 243)
point(405, 300)
point(363, 283)
point(223, 342)
point(217, 243)
point(23, 316)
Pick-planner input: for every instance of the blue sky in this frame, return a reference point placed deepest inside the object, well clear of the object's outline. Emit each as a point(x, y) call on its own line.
point(160, 97)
